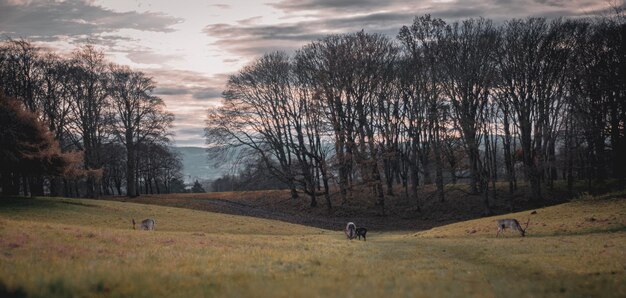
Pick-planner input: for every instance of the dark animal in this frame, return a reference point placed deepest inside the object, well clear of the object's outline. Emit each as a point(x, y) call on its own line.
point(361, 232)
point(350, 230)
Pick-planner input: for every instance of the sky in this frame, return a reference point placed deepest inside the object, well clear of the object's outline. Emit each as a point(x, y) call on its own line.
point(191, 47)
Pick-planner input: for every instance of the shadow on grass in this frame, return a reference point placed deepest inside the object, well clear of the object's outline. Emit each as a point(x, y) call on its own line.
point(34, 203)
point(11, 293)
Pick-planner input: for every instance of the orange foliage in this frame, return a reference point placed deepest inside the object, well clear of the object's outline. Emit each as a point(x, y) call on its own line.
point(28, 147)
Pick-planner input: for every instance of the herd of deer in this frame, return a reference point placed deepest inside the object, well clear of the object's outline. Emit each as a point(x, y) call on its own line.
point(508, 223)
point(353, 232)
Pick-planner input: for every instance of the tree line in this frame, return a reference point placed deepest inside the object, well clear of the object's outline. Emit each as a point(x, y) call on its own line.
point(104, 121)
point(530, 99)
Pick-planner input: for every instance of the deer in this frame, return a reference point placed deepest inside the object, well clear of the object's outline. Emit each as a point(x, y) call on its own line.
point(146, 224)
point(361, 232)
point(350, 230)
point(511, 223)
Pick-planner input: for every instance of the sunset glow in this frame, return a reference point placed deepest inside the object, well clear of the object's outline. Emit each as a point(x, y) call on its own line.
point(190, 47)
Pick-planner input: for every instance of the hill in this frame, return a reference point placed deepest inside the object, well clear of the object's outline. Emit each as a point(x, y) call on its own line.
point(401, 212)
point(57, 247)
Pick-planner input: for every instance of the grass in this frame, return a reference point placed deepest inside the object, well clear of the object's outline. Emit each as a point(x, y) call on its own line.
point(55, 247)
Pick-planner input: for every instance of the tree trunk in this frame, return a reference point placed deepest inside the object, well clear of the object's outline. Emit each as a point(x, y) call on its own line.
point(508, 161)
point(438, 165)
point(415, 176)
point(313, 197)
point(131, 187)
point(294, 192)
point(9, 187)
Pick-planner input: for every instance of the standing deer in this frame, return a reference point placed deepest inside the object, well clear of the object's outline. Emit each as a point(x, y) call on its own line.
point(511, 223)
point(146, 224)
point(361, 232)
point(350, 230)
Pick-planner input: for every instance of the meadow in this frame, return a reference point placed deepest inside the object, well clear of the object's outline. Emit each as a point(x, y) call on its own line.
point(59, 247)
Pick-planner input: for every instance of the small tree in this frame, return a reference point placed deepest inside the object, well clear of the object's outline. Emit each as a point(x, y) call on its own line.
point(197, 187)
point(176, 185)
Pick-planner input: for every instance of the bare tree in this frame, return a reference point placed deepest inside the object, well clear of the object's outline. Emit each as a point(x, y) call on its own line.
point(469, 70)
point(532, 68)
point(422, 41)
point(140, 116)
point(19, 72)
point(352, 75)
point(254, 115)
point(322, 65)
point(91, 115)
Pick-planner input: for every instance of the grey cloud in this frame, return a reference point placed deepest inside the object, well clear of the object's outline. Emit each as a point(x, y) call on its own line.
point(253, 40)
point(191, 87)
point(489, 8)
point(75, 18)
point(295, 31)
point(221, 6)
point(553, 2)
point(198, 131)
point(291, 5)
point(149, 57)
point(328, 7)
point(189, 125)
point(207, 93)
point(197, 93)
point(252, 47)
point(170, 91)
point(246, 38)
point(181, 77)
point(186, 134)
point(189, 141)
point(95, 39)
point(193, 118)
point(249, 21)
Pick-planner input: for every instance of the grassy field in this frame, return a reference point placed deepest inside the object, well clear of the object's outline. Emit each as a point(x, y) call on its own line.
point(53, 247)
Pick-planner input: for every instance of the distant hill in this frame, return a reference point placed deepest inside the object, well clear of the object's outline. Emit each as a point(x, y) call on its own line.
point(196, 165)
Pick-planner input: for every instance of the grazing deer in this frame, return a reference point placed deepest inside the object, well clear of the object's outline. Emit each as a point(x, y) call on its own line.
point(350, 230)
point(511, 223)
point(146, 224)
point(361, 232)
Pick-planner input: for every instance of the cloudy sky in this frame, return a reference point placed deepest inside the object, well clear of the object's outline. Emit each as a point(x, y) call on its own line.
point(190, 47)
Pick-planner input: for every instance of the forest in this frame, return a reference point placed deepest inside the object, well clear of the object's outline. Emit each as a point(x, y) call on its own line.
point(81, 126)
point(526, 103)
